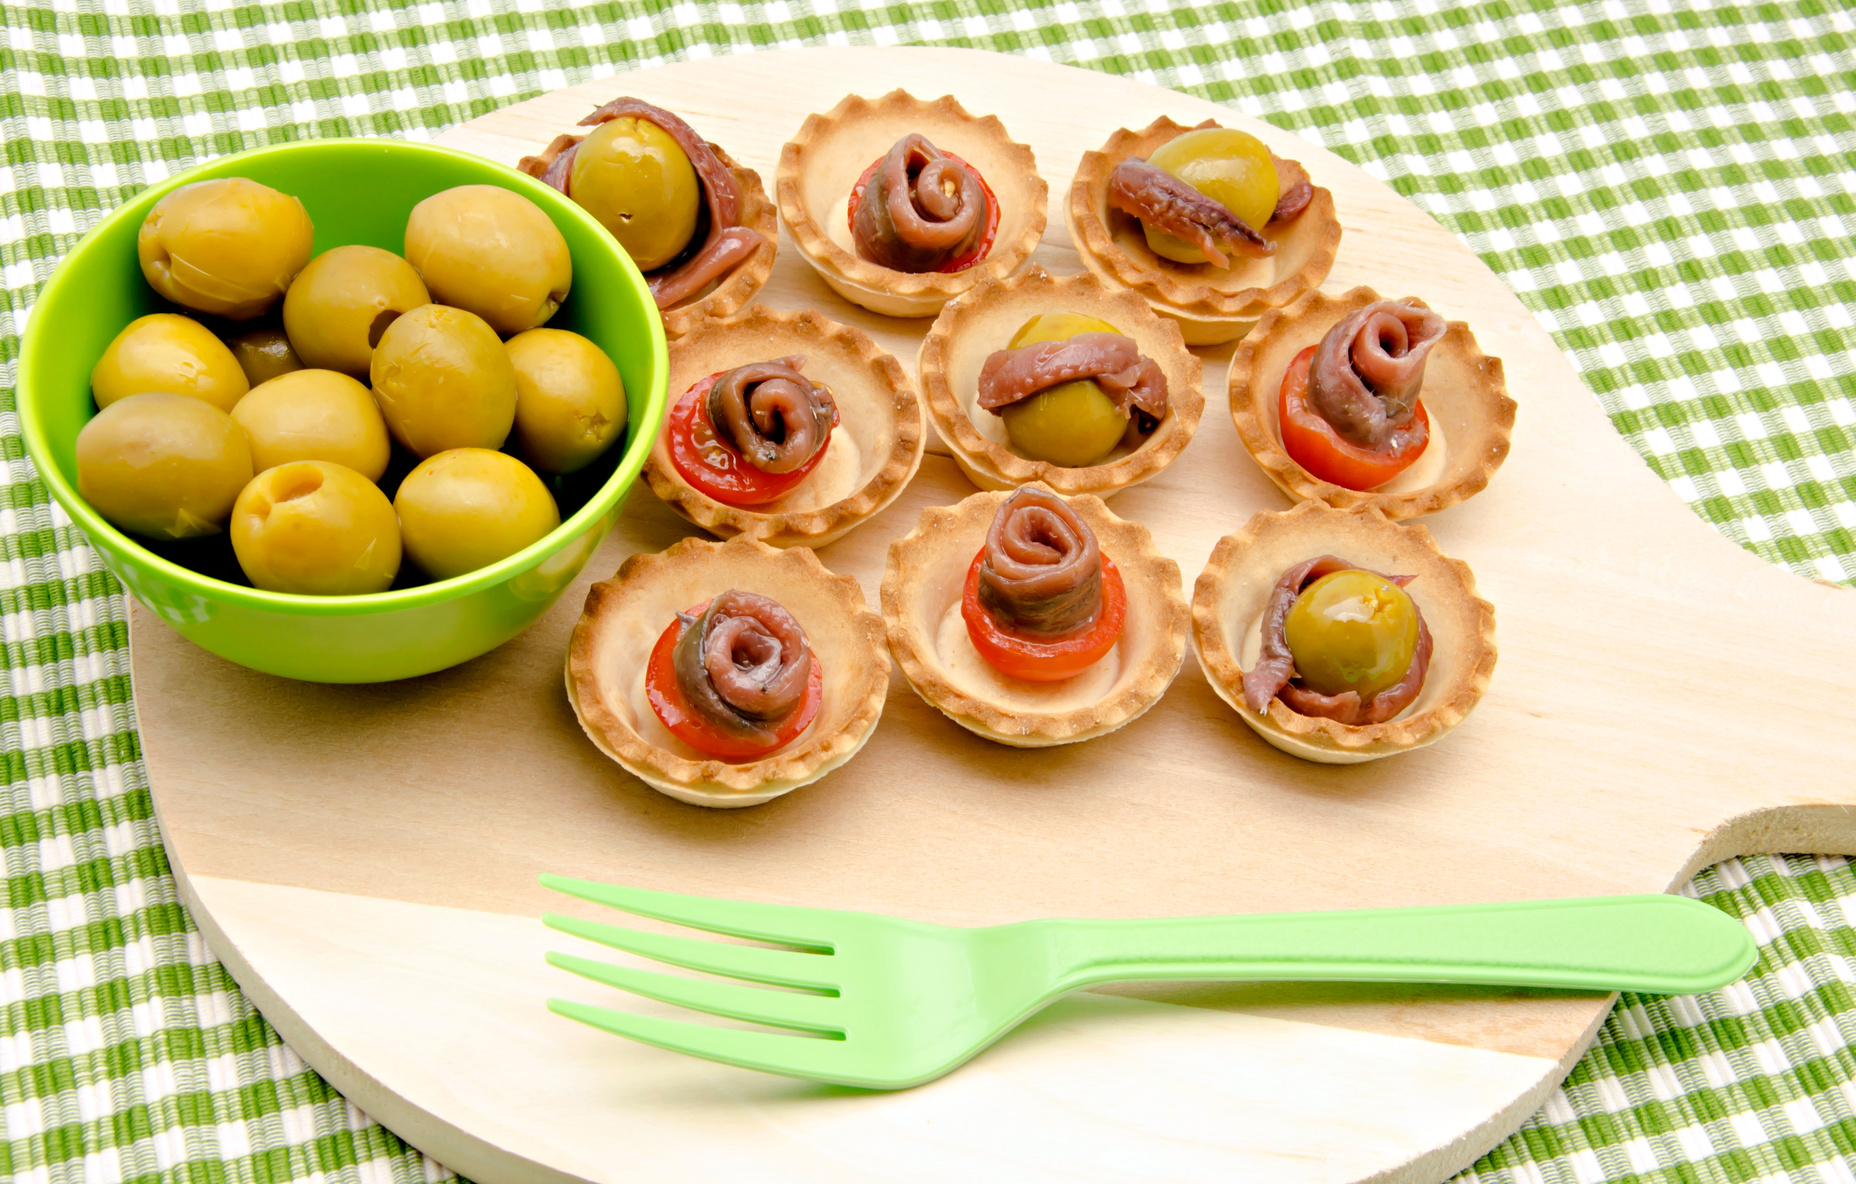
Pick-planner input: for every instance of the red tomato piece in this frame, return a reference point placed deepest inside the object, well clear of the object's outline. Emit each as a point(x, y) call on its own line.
point(959, 262)
point(711, 463)
point(1312, 442)
point(694, 729)
point(1044, 659)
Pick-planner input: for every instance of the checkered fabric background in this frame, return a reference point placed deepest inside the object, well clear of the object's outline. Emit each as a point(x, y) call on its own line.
point(1669, 188)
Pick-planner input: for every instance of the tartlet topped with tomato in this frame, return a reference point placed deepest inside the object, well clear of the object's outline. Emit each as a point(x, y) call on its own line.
point(726, 674)
point(1363, 401)
point(1032, 619)
point(786, 427)
point(901, 204)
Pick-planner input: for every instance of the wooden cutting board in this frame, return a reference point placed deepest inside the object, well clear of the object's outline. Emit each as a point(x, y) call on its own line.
point(363, 859)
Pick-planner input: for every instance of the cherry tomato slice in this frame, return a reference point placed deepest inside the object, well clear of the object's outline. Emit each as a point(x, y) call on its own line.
point(1312, 442)
point(690, 726)
point(1039, 660)
point(712, 465)
point(959, 262)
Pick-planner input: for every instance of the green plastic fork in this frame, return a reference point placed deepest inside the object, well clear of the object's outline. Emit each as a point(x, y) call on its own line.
point(885, 1003)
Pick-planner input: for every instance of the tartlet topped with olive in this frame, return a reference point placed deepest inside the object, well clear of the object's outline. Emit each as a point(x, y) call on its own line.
point(1207, 224)
point(727, 674)
point(696, 223)
point(1357, 400)
point(1059, 380)
point(901, 204)
point(785, 426)
point(1339, 636)
point(1033, 619)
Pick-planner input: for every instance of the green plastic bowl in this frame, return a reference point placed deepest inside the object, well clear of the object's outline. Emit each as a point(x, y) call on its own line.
point(357, 191)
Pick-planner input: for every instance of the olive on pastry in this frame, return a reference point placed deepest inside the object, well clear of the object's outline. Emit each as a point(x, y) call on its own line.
point(1206, 195)
point(1070, 387)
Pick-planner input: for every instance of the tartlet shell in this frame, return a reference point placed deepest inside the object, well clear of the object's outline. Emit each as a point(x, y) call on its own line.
point(870, 386)
point(1231, 592)
point(941, 548)
point(1464, 395)
point(625, 615)
point(829, 153)
point(1211, 304)
point(971, 327)
point(741, 285)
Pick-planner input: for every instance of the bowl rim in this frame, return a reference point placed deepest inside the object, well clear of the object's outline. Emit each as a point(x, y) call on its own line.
point(105, 536)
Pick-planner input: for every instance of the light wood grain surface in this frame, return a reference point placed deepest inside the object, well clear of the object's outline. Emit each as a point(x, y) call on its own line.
point(364, 858)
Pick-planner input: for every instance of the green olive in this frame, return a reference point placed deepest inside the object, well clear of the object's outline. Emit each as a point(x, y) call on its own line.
point(570, 402)
point(163, 465)
point(314, 415)
point(443, 380)
point(263, 354)
point(229, 247)
point(1352, 631)
point(467, 508)
point(631, 175)
point(491, 251)
point(1232, 168)
point(316, 528)
point(1073, 424)
point(168, 352)
point(337, 309)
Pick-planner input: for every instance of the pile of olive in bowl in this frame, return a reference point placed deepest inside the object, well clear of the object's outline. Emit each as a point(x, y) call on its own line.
point(349, 392)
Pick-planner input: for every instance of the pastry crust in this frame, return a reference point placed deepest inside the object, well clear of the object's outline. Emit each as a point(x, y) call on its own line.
point(1212, 304)
point(821, 164)
point(970, 328)
point(873, 453)
point(1464, 395)
point(922, 586)
point(1229, 599)
point(733, 291)
point(625, 615)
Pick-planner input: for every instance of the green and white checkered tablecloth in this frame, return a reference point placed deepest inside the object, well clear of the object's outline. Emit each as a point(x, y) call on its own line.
point(1668, 186)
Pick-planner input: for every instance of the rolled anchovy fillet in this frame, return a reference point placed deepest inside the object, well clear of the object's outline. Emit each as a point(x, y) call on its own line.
point(1114, 361)
point(920, 210)
point(1294, 190)
point(1366, 373)
point(726, 242)
point(1272, 676)
point(743, 664)
point(1167, 204)
point(1041, 573)
point(776, 417)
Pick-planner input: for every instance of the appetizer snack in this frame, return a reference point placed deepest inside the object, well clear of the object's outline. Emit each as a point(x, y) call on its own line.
point(228, 247)
point(1361, 401)
point(314, 415)
point(491, 252)
point(570, 400)
point(1206, 224)
point(1034, 620)
point(343, 301)
point(1063, 381)
point(162, 465)
point(1340, 636)
point(470, 507)
point(444, 380)
point(697, 224)
point(316, 528)
point(165, 351)
point(786, 427)
point(901, 204)
point(727, 674)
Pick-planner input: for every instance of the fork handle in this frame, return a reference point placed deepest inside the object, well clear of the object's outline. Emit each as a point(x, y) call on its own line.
point(1650, 943)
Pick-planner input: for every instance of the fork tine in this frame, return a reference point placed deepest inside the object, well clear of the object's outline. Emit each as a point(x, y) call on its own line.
point(792, 1056)
point(756, 922)
point(781, 968)
point(755, 1005)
